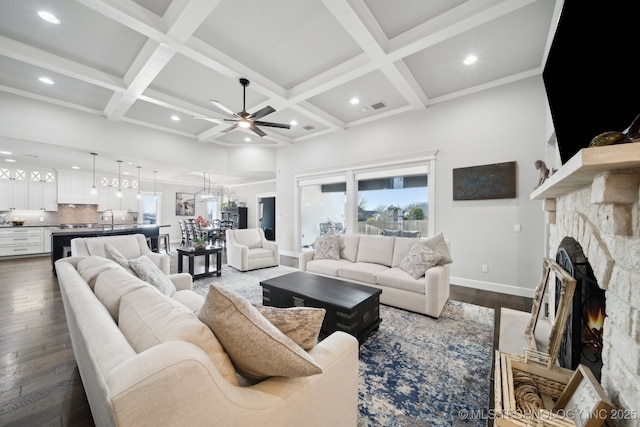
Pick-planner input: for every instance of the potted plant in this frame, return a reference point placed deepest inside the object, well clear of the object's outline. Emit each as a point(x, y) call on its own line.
point(200, 242)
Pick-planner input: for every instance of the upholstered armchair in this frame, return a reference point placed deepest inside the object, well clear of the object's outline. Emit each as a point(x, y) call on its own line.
point(248, 249)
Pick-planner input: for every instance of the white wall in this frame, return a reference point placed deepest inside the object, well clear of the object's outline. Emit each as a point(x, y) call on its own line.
point(248, 194)
point(497, 125)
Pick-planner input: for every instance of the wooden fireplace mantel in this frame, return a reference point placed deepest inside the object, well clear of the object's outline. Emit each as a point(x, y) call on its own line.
point(578, 171)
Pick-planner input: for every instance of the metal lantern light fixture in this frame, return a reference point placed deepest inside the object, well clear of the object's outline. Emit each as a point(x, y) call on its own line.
point(139, 196)
point(94, 190)
point(119, 193)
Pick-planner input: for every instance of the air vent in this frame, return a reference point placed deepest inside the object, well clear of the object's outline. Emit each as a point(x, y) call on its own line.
point(308, 127)
point(378, 105)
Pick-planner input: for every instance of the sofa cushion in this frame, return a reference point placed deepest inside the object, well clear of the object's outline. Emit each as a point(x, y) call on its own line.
point(189, 299)
point(438, 244)
point(148, 318)
point(400, 279)
point(361, 271)
point(114, 254)
point(256, 347)
point(90, 268)
point(419, 259)
point(258, 253)
point(301, 324)
point(112, 285)
point(249, 237)
point(401, 247)
point(146, 270)
point(349, 246)
point(375, 249)
point(327, 247)
point(328, 267)
point(127, 245)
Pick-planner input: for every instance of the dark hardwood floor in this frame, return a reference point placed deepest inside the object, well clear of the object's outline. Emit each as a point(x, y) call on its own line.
point(39, 380)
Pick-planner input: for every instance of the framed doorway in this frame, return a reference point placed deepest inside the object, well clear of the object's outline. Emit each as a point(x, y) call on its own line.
point(267, 215)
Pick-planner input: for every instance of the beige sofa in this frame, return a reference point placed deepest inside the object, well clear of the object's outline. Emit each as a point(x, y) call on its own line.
point(248, 249)
point(374, 261)
point(145, 359)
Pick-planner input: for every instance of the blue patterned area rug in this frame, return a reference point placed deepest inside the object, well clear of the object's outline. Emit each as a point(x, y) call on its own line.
point(414, 370)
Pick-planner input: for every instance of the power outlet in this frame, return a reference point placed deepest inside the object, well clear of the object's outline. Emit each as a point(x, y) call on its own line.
point(516, 228)
point(41, 219)
point(485, 268)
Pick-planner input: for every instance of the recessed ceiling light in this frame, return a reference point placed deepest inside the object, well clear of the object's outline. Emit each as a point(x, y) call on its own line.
point(10, 160)
point(8, 153)
point(46, 80)
point(247, 139)
point(470, 59)
point(175, 118)
point(75, 167)
point(126, 173)
point(293, 123)
point(354, 101)
point(49, 17)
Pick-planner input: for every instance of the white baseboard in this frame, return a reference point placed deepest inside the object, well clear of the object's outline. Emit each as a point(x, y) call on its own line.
point(494, 287)
point(289, 253)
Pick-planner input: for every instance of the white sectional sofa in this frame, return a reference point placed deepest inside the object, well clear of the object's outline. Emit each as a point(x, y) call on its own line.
point(146, 359)
point(374, 261)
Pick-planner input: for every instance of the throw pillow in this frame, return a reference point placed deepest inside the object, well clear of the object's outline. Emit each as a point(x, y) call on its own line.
point(115, 255)
point(438, 244)
point(419, 259)
point(327, 247)
point(301, 324)
point(257, 348)
point(146, 270)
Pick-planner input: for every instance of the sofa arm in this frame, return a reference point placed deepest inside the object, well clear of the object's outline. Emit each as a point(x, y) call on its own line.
point(237, 256)
point(163, 261)
point(303, 259)
point(437, 288)
point(182, 281)
point(272, 246)
point(138, 390)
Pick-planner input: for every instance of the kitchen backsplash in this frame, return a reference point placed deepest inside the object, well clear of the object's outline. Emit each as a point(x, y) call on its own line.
point(67, 214)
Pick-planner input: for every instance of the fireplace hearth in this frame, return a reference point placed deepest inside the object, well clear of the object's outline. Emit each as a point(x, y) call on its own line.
point(582, 342)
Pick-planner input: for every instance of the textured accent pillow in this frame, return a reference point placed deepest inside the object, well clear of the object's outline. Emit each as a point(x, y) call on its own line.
point(257, 348)
point(301, 324)
point(327, 247)
point(438, 244)
point(146, 270)
point(115, 255)
point(419, 259)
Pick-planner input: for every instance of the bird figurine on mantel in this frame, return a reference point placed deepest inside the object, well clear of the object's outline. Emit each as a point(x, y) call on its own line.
point(630, 134)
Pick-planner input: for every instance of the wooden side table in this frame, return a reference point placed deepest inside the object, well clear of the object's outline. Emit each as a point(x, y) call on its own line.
point(192, 252)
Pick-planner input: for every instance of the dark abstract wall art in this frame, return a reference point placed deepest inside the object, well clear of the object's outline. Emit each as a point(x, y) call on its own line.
point(494, 181)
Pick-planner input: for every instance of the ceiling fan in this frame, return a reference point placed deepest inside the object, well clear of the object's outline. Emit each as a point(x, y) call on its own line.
point(243, 119)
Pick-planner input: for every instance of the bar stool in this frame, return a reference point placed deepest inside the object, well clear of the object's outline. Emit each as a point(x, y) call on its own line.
point(164, 238)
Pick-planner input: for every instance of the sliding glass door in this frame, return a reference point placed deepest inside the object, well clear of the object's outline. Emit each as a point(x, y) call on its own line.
point(322, 208)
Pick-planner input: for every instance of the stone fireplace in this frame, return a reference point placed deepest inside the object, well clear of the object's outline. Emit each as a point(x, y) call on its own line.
point(593, 200)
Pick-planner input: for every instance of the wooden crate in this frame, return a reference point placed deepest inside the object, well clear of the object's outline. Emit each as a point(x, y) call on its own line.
point(551, 383)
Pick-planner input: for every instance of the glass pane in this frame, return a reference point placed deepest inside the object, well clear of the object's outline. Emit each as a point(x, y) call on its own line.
point(394, 205)
point(149, 210)
point(322, 208)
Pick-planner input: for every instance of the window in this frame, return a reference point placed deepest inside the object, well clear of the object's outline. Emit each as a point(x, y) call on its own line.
point(393, 202)
point(149, 207)
point(322, 207)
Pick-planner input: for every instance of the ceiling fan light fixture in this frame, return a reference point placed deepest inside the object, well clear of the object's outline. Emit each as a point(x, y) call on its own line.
point(245, 124)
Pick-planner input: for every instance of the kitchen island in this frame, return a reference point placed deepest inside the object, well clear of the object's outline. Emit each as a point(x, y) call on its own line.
point(62, 238)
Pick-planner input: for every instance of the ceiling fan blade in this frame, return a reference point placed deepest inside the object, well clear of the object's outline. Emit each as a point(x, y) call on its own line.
point(273, 125)
point(256, 130)
point(230, 128)
point(223, 108)
point(261, 113)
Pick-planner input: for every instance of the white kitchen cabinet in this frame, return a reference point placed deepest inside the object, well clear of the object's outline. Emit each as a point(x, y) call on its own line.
point(74, 187)
point(14, 189)
point(43, 190)
point(46, 232)
point(109, 194)
point(21, 240)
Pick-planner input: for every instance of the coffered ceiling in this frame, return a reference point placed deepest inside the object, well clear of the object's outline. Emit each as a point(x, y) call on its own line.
point(144, 61)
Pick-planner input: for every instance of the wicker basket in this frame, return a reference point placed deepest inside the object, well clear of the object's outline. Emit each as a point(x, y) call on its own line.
point(551, 383)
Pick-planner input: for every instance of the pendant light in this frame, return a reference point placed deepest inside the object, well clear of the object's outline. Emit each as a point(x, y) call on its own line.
point(139, 196)
point(119, 193)
point(94, 190)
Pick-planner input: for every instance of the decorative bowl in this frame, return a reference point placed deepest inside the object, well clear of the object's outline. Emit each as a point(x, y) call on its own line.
point(18, 222)
point(199, 245)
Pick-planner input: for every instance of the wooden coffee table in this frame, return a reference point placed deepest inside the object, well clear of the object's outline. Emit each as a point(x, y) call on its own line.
point(351, 307)
point(192, 252)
